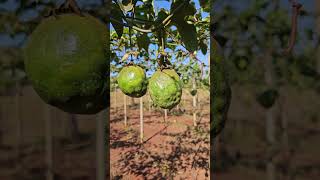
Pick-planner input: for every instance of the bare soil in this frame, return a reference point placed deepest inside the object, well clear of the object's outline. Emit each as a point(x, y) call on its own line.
point(171, 149)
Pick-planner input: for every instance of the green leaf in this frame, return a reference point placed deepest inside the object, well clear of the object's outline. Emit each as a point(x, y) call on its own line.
point(143, 41)
point(187, 31)
point(117, 15)
point(145, 11)
point(188, 9)
point(203, 47)
point(188, 35)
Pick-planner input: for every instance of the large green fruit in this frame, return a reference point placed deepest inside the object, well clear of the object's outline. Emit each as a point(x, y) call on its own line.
point(66, 59)
point(165, 88)
point(221, 92)
point(132, 81)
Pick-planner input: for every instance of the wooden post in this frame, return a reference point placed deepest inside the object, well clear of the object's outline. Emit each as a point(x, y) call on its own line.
point(317, 5)
point(270, 118)
point(194, 104)
point(1, 119)
point(150, 101)
point(165, 115)
point(125, 109)
point(115, 99)
point(141, 120)
point(74, 129)
point(49, 154)
point(101, 145)
point(133, 103)
point(19, 125)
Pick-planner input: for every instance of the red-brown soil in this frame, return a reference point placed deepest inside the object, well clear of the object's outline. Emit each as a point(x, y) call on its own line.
point(172, 149)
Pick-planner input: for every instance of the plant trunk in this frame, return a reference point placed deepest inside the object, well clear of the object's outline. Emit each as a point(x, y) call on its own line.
point(49, 139)
point(101, 145)
point(141, 120)
point(125, 109)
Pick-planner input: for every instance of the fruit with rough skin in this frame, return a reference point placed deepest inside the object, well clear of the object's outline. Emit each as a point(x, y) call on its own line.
point(132, 81)
point(220, 89)
point(66, 60)
point(165, 88)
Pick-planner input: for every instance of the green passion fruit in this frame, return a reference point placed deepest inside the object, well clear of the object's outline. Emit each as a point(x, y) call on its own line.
point(132, 81)
point(165, 88)
point(66, 60)
point(221, 91)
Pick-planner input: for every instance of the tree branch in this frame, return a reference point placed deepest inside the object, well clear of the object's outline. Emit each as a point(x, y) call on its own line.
point(133, 27)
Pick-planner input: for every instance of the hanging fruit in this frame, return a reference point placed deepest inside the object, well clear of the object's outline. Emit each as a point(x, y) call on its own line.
point(66, 60)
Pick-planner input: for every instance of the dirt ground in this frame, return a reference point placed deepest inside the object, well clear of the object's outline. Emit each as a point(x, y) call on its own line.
point(172, 149)
point(242, 149)
point(71, 161)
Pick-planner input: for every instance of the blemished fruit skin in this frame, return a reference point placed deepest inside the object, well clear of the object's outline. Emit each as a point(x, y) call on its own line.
point(165, 88)
point(220, 89)
point(132, 81)
point(67, 61)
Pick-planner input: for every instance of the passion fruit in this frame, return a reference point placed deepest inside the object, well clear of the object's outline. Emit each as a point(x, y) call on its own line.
point(66, 60)
point(132, 81)
point(165, 88)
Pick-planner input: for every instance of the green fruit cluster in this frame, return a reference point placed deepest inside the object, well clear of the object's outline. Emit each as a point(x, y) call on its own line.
point(164, 86)
point(67, 62)
point(221, 91)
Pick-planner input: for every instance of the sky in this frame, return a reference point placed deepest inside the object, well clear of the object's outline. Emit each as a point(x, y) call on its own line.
point(164, 4)
point(7, 41)
point(15, 41)
point(158, 4)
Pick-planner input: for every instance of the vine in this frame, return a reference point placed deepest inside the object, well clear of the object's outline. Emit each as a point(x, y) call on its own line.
point(296, 8)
